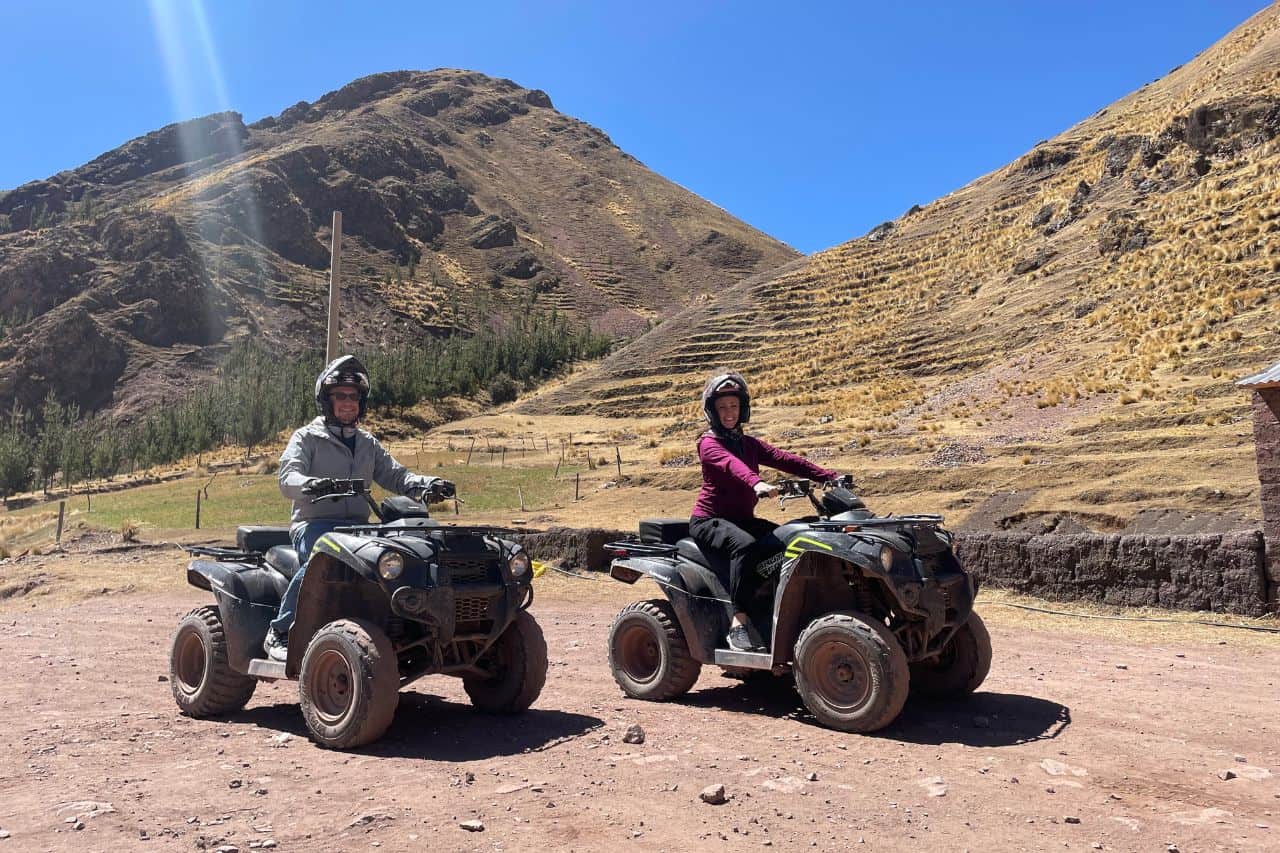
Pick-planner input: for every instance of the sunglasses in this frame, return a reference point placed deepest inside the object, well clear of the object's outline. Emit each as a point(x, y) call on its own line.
point(347, 396)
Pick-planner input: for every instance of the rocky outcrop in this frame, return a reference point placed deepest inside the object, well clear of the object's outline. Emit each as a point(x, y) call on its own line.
point(573, 547)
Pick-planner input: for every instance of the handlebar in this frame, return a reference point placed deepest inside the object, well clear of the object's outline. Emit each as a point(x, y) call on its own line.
point(789, 490)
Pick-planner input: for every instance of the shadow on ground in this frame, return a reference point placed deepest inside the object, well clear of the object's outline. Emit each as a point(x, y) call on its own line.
point(428, 726)
point(983, 719)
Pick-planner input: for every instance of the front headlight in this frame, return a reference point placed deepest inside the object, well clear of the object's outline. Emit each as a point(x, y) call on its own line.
point(886, 557)
point(390, 565)
point(519, 564)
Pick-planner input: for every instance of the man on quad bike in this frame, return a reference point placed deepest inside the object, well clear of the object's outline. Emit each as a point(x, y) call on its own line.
point(723, 517)
point(333, 447)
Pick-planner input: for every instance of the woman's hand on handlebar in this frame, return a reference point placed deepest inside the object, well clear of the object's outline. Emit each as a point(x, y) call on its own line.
point(764, 489)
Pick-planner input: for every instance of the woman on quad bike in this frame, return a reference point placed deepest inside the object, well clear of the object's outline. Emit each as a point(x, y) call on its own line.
point(333, 447)
point(723, 517)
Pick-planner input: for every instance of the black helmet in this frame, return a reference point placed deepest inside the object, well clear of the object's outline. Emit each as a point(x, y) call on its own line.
point(343, 370)
point(721, 385)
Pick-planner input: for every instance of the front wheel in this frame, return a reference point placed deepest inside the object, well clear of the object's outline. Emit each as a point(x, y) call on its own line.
point(648, 652)
point(517, 665)
point(960, 667)
point(349, 684)
point(203, 683)
point(851, 672)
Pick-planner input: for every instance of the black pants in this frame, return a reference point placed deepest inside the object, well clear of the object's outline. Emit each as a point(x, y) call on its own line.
point(745, 542)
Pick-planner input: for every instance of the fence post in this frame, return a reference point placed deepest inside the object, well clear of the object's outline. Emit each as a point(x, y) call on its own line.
point(197, 509)
point(618, 453)
point(520, 494)
point(62, 513)
point(502, 463)
point(556, 475)
point(471, 448)
point(577, 476)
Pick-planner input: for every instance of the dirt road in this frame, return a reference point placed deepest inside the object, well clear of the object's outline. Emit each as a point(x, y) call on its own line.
point(1076, 741)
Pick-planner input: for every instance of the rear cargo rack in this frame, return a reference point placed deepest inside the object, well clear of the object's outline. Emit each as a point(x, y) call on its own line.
point(639, 549)
point(233, 555)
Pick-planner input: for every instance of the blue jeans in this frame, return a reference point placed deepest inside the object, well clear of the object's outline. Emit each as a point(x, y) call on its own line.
point(304, 538)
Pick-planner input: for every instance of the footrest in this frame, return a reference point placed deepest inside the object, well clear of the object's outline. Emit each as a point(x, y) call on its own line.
point(746, 660)
point(269, 670)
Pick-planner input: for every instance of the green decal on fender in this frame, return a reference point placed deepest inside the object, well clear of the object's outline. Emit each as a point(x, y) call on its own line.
point(794, 547)
point(325, 543)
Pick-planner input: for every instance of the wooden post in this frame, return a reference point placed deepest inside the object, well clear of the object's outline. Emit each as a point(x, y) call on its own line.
point(197, 509)
point(335, 273)
point(471, 448)
point(62, 514)
point(546, 444)
point(556, 475)
point(520, 494)
point(577, 477)
point(618, 453)
point(88, 501)
point(503, 462)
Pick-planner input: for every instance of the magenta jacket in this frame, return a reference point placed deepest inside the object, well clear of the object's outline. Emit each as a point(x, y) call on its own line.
point(728, 482)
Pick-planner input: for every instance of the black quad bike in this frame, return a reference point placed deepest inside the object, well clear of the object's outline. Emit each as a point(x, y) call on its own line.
point(380, 606)
point(860, 609)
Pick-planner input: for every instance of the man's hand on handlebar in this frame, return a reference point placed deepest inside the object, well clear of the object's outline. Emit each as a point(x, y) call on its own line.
point(438, 490)
point(318, 487)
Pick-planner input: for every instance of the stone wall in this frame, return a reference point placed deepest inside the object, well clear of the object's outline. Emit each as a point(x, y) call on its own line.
point(1222, 572)
point(1266, 433)
point(576, 548)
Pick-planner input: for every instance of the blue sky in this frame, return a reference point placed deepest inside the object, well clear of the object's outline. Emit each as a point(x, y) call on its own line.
point(812, 121)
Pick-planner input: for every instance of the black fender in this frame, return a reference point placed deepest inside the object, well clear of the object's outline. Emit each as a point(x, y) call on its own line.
point(337, 584)
point(248, 598)
point(700, 601)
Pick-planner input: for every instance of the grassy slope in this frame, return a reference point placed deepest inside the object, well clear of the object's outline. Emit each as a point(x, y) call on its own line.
point(1100, 380)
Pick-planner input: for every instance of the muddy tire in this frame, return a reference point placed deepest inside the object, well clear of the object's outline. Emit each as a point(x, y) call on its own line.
point(961, 667)
point(519, 663)
point(648, 653)
point(851, 672)
point(349, 684)
point(203, 683)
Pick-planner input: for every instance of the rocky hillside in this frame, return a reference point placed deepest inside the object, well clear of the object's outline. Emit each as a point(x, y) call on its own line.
point(1066, 328)
point(464, 198)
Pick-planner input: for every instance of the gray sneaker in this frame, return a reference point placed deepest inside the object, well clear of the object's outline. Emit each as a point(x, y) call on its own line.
point(740, 640)
point(276, 647)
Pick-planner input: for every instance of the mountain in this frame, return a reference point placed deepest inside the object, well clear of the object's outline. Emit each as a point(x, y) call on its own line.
point(465, 200)
point(1065, 329)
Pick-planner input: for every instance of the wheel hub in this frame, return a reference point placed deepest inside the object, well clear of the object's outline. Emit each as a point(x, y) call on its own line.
point(332, 686)
point(638, 653)
point(190, 663)
point(842, 676)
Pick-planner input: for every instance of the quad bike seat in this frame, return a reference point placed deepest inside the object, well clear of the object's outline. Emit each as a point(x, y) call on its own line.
point(284, 559)
point(258, 538)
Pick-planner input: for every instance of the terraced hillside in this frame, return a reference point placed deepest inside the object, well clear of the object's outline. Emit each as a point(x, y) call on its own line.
point(465, 199)
point(1067, 327)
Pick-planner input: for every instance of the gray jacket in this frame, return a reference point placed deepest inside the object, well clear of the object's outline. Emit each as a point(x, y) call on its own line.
point(314, 452)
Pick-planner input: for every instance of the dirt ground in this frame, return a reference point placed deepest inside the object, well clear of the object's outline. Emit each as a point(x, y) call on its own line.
point(1086, 735)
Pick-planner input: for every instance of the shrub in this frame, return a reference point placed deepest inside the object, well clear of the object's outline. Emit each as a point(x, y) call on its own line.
point(502, 389)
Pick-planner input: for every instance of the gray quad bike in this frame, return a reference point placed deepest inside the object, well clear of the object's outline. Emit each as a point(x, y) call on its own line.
point(381, 605)
point(860, 609)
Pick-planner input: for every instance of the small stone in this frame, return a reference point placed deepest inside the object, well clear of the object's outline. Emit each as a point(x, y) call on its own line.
point(634, 734)
point(162, 678)
point(4, 833)
point(713, 795)
point(1071, 819)
point(1173, 848)
point(234, 783)
point(1122, 666)
point(269, 844)
point(472, 825)
point(812, 777)
point(78, 825)
point(1225, 775)
point(1240, 759)
point(1097, 845)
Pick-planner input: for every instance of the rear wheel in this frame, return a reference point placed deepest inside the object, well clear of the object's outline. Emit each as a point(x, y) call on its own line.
point(349, 684)
point(203, 683)
point(960, 668)
point(518, 669)
point(648, 652)
point(851, 672)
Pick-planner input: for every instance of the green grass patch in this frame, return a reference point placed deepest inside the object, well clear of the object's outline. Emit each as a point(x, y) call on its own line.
point(235, 499)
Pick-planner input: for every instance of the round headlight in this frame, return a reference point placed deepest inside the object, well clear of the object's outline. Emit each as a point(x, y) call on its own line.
point(519, 564)
point(390, 565)
point(886, 557)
